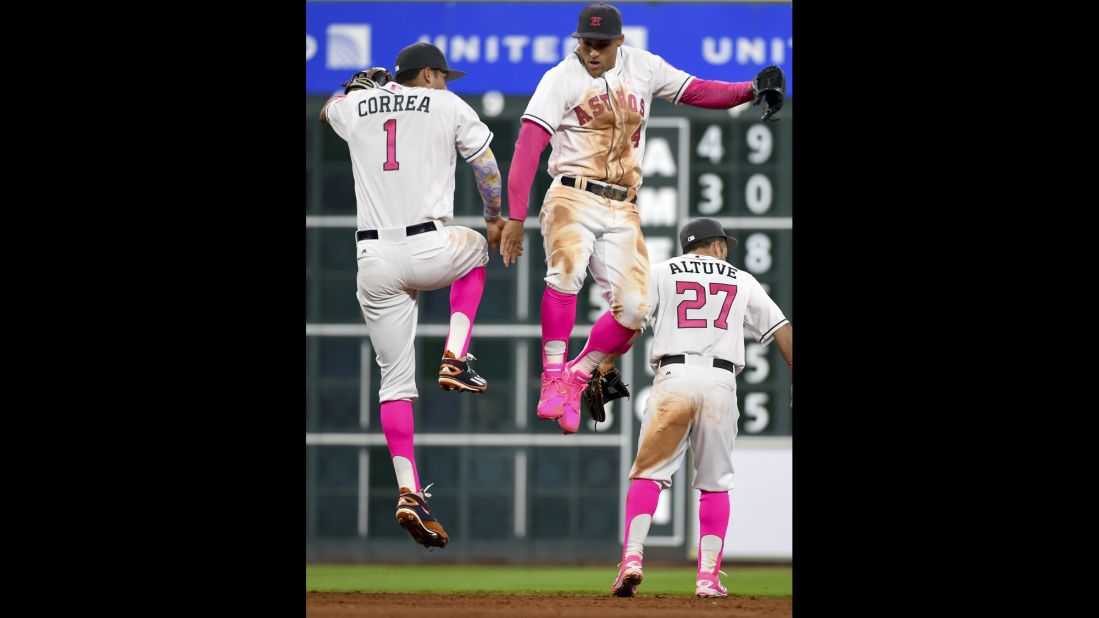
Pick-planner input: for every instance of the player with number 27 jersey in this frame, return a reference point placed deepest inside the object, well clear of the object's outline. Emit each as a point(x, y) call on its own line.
point(694, 292)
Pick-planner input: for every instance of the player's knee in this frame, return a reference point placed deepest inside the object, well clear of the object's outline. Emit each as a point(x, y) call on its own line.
point(475, 240)
point(469, 245)
point(566, 283)
point(630, 311)
point(483, 250)
point(398, 390)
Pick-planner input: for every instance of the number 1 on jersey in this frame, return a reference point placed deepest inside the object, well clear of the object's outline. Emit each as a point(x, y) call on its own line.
point(391, 163)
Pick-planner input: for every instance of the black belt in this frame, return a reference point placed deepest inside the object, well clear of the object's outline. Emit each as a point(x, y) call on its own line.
point(600, 189)
point(679, 358)
point(411, 230)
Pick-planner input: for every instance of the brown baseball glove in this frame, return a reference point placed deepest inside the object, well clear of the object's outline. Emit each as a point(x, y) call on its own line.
point(602, 389)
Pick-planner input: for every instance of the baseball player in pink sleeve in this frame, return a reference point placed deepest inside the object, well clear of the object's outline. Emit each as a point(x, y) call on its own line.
point(404, 137)
point(592, 109)
point(699, 308)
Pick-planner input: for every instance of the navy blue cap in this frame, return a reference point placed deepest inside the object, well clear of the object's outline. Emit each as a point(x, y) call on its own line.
point(424, 56)
point(702, 229)
point(599, 21)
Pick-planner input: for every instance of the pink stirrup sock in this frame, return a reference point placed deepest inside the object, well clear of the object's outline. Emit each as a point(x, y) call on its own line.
point(713, 521)
point(558, 318)
point(465, 297)
point(607, 337)
point(640, 505)
point(397, 427)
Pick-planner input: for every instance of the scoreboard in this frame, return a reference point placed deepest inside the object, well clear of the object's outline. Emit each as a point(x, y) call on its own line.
point(723, 164)
point(736, 169)
point(727, 165)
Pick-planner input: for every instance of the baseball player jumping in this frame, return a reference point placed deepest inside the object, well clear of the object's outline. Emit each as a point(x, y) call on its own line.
point(402, 137)
point(592, 109)
point(699, 307)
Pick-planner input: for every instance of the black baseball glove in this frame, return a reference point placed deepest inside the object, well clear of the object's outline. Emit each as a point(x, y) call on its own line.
point(374, 77)
point(603, 388)
point(769, 86)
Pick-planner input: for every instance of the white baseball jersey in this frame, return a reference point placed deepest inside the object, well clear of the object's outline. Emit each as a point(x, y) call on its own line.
point(402, 142)
point(597, 123)
point(702, 305)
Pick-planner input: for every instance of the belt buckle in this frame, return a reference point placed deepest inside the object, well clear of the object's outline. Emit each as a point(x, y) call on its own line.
point(601, 188)
point(610, 192)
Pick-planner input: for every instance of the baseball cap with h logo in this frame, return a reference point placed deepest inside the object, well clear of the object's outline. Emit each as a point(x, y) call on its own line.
point(599, 21)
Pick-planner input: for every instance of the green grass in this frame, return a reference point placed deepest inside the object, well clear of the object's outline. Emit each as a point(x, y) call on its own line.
point(518, 579)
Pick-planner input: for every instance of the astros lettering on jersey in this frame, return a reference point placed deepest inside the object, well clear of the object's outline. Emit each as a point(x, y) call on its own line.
point(603, 117)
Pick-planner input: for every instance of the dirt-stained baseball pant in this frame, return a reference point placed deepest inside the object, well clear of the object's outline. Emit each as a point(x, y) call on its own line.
point(578, 226)
point(392, 269)
point(694, 403)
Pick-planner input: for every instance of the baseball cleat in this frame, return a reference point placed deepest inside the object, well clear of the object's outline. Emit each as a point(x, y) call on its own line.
point(457, 375)
point(552, 400)
point(413, 515)
point(708, 585)
point(629, 576)
point(575, 384)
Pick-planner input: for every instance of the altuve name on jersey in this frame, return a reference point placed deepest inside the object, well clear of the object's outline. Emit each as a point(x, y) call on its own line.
point(707, 268)
point(398, 103)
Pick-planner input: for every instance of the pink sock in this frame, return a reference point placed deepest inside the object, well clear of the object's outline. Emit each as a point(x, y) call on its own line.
point(465, 297)
point(713, 522)
point(558, 318)
point(607, 337)
point(397, 427)
point(640, 505)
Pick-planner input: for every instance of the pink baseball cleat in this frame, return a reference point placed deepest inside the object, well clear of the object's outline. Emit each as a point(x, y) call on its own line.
point(629, 577)
point(552, 401)
point(709, 585)
point(575, 384)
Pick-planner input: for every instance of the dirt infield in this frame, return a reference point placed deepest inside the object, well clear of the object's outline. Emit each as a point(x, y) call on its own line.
point(353, 604)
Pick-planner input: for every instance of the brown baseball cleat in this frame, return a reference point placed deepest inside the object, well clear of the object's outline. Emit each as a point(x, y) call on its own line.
point(457, 375)
point(413, 515)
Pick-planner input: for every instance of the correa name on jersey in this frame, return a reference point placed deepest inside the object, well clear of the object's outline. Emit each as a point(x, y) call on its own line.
point(707, 268)
point(389, 103)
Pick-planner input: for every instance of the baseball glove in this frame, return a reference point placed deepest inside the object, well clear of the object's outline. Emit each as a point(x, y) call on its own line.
point(603, 388)
point(769, 86)
point(374, 77)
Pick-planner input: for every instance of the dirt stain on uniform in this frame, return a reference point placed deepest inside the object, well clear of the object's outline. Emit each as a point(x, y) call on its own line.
point(627, 170)
point(642, 248)
point(466, 238)
point(638, 277)
point(593, 137)
point(665, 430)
point(564, 241)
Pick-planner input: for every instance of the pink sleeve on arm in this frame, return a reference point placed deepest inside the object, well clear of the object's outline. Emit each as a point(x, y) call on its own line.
point(716, 94)
point(524, 163)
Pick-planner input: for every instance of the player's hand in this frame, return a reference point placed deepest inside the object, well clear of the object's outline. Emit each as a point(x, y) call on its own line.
point(495, 229)
point(512, 241)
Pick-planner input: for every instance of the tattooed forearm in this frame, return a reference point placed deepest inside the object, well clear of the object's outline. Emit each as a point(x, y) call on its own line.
point(488, 183)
